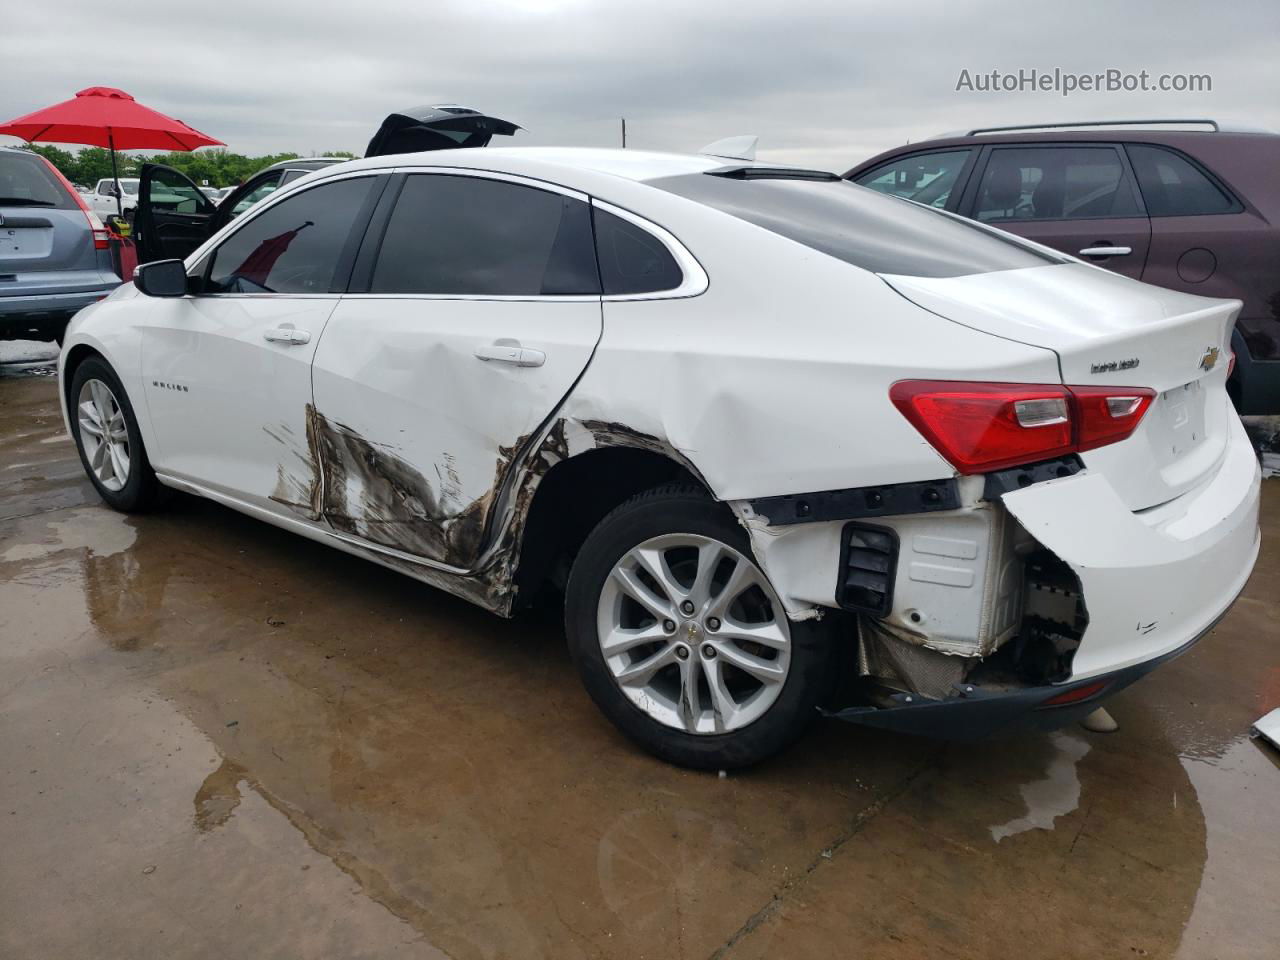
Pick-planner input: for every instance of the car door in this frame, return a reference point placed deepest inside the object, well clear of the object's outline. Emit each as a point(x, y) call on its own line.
point(1079, 198)
point(227, 369)
point(457, 341)
point(173, 216)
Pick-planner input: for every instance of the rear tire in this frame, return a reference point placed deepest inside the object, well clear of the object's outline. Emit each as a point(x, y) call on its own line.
point(737, 680)
point(105, 429)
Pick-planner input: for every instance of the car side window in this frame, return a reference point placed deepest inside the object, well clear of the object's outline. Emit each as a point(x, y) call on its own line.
point(632, 260)
point(926, 178)
point(472, 236)
point(171, 192)
point(1054, 183)
point(1173, 187)
point(295, 246)
point(264, 189)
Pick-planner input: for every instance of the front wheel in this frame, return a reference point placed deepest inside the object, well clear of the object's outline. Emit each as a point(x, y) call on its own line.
point(682, 641)
point(106, 433)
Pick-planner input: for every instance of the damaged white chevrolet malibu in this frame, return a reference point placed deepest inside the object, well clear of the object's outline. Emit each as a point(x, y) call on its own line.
point(785, 445)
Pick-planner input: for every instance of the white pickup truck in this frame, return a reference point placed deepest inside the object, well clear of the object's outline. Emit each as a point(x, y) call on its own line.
point(103, 197)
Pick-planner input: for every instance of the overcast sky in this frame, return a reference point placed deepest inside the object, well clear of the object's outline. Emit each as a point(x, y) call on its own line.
point(825, 84)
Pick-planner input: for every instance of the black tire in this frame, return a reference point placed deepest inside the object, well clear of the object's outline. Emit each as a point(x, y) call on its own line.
point(679, 508)
point(141, 490)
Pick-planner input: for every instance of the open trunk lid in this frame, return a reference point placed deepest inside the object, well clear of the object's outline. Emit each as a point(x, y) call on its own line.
point(436, 127)
point(1109, 330)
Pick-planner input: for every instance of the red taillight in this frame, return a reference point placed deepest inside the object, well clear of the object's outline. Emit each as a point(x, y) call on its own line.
point(1108, 414)
point(1231, 364)
point(101, 236)
point(980, 427)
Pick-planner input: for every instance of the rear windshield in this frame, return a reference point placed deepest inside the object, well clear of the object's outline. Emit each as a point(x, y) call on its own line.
point(860, 226)
point(25, 181)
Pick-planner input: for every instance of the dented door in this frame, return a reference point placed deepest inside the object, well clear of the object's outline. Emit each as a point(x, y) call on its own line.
point(415, 432)
point(481, 311)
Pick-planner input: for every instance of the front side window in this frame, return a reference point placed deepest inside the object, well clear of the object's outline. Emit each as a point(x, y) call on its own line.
point(470, 236)
point(1173, 187)
point(926, 178)
point(1054, 183)
point(295, 246)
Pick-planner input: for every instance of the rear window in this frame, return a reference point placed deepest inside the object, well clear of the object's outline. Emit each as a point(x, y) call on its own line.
point(25, 181)
point(859, 226)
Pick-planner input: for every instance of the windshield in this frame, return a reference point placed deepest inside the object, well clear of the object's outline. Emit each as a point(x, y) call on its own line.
point(860, 226)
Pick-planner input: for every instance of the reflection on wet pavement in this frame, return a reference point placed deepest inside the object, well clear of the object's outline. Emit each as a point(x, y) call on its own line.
point(1053, 797)
point(216, 738)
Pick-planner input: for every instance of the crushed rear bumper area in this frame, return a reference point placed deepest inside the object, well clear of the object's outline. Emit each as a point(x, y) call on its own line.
point(975, 713)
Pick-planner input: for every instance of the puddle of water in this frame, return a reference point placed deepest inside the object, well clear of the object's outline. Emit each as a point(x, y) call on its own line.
point(1052, 797)
point(102, 532)
point(1237, 792)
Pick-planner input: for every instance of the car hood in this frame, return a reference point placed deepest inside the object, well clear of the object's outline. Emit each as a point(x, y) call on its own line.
point(436, 127)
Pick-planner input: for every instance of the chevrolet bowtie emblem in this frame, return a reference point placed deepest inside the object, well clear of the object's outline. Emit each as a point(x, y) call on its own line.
point(1210, 359)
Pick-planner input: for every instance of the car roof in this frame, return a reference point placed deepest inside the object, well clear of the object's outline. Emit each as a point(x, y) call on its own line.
point(1103, 132)
point(306, 163)
point(634, 165)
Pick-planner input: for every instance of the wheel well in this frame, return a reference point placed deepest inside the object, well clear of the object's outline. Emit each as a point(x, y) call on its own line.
point(572, 498)
point(76, 356)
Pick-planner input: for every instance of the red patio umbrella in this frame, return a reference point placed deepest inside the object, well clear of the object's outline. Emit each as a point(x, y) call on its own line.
point(107, 117)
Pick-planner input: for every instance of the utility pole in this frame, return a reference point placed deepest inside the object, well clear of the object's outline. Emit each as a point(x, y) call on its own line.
point(624, 133)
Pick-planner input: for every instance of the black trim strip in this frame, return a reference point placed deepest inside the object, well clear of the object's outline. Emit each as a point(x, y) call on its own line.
point(890, 500)
point(1016, 478)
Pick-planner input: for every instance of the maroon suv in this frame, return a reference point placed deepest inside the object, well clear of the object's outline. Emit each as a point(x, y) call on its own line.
point(1192, 209)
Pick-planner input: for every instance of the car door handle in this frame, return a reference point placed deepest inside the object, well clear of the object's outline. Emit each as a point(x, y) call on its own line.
point(510, 351)
point(1104, 251)
point(287, 335)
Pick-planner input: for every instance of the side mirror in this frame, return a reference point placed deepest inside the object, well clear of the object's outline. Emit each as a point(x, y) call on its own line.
point(163, 278)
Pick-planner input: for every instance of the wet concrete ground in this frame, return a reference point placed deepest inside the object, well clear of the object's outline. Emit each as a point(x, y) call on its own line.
point(217, 739)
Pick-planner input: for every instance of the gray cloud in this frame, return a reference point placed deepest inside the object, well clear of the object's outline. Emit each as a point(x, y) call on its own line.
point(822, 83)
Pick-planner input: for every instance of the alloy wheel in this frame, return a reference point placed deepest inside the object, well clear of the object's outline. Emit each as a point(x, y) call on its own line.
point(104, 435)
point(693, 634)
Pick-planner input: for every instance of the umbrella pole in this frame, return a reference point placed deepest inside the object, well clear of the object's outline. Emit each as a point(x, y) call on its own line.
point(115, 176)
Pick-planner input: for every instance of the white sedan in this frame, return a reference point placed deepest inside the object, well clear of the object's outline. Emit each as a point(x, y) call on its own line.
point(783, 444)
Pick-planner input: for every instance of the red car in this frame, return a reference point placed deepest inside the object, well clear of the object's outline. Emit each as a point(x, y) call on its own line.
point(1194, 206)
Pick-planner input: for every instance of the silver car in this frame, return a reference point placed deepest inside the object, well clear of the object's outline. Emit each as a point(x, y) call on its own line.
point(55, 255)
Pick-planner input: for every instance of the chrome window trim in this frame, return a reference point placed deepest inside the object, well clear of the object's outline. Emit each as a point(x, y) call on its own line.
point(524, 181)
point(695, 280)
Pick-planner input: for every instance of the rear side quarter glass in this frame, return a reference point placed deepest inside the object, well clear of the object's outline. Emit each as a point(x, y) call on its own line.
point(632, 260)
point(1173, 186)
